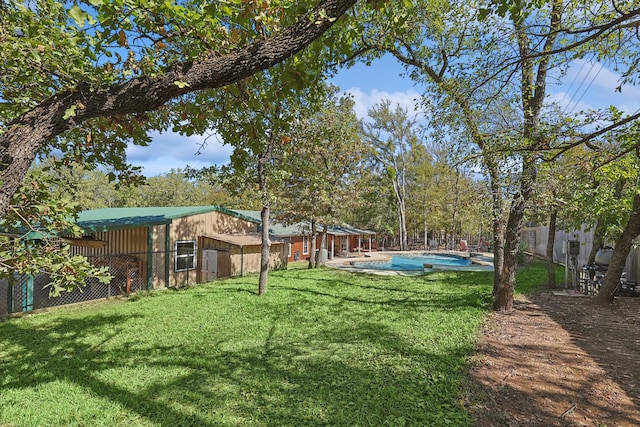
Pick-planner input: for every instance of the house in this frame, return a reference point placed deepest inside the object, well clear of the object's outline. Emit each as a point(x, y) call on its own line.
point(163, 247)
point(341, 240)
point(353, 240)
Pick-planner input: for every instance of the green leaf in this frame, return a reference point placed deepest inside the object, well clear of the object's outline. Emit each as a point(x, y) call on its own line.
point(70, 112)
point(78, 15)
point(180, 84)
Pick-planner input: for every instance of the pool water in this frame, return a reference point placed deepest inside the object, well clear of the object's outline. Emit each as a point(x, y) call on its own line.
point(414, 263)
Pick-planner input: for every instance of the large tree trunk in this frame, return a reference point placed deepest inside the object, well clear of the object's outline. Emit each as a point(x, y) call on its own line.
point(598, 242)
point(323, 245)
point(426, 232)
point(312, 245)
point(497, 225)
point(399, 192)
point(454, 216)
point(533, 86)
point(28, 134)
point(402, 215)
point(619, 257)
point(404, 242)
point(265, 248)
point(498, 253)
point(551, 241)
point(503, 300)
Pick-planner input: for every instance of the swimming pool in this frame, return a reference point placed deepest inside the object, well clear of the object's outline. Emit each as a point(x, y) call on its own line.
point(413, 262)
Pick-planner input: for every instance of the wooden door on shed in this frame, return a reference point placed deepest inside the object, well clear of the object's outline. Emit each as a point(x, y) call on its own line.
point(209, 265)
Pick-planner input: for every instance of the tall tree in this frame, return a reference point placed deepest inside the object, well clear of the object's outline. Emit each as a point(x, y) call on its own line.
point(614, 205)
point(450, 57)
point(563, 200)
point(89, 188)
point(391, 135)
point(173, 188)
point(256, 118)
point(322, 158)
point(92, 189)
point(374, 209)
point(85, 78)
point(421, 189)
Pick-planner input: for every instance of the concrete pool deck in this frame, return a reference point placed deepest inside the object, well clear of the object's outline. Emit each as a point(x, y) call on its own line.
point(481, 261)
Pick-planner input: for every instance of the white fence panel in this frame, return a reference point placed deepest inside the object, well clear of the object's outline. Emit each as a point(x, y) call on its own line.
point(535, 240)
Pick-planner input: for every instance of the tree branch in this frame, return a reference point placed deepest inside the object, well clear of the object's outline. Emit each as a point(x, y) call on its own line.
point(25, 136)
point(586, 138)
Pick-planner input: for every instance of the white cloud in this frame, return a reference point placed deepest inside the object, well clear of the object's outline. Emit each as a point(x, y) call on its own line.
point(169, 150)
point(164, 164)
point(564, 101)
point(587, 85)
point(173, 151)
point(365, 101)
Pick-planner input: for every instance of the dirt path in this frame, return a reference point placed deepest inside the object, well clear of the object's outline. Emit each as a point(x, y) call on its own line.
point(559, 361)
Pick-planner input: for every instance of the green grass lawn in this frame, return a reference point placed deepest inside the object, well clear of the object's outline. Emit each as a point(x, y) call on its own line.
point(323, 347)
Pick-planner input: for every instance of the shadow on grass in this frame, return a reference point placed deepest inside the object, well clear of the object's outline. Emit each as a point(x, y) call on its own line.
point(278, 383)
point(462, 290)
point(60, 354)
point(325, 392)
point(361, 371)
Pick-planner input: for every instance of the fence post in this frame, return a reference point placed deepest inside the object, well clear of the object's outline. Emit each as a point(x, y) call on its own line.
point(109, 284)
point(167, 255)
point(10, 281)
point(150, 258)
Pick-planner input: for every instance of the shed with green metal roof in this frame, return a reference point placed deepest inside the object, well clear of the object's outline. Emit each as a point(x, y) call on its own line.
point(171, 246)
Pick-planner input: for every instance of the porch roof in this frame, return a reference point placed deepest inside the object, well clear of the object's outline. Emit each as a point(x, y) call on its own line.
point(241, 239)
point(303, 227)
point(346, 230)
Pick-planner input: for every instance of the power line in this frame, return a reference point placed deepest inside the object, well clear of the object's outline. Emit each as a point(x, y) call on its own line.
point(587, 88)
point(582, 81)
point(575, 77)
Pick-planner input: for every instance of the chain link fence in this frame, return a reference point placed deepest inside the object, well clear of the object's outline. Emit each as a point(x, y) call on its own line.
point(130, 273)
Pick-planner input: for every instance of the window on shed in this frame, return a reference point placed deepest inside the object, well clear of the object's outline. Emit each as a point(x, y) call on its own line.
point(305, 245)
point(185, 255)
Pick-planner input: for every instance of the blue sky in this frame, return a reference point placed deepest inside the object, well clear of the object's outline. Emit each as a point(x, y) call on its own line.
point(586, 85)
point(368, 85)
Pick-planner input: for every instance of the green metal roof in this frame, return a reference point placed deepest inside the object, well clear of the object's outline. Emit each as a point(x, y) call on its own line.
point(302, 228)
point(347, 229)
point(253, 214)
point(275, 228)
point(120, 218)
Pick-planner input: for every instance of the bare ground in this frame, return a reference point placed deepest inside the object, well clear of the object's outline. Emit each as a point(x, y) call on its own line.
point(559, 361)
